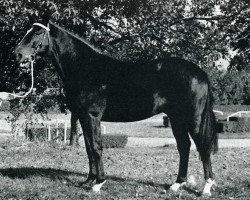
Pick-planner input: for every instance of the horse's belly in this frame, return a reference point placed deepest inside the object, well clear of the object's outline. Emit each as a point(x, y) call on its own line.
point(120, 115)
point(128, 104)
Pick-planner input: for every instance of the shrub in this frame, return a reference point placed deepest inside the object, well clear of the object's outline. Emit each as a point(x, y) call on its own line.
point(219, 126)
point(243, 124)
point(237, 125)
point(114, 141)
point(231, 108)
point(166, 121)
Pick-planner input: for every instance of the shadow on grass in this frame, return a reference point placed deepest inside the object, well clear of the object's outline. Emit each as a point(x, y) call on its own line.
point(160, 126)
point(58, 174)
point(25, 172)
point(148, 183)
point(192, 191)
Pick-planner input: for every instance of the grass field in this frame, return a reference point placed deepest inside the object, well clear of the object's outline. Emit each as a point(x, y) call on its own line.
point(50, 171)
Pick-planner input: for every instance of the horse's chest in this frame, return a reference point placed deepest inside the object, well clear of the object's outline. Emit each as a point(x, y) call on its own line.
point(84, 98)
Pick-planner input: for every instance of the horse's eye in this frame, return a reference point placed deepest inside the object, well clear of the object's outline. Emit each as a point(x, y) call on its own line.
point(37, 33)
point(34, 45)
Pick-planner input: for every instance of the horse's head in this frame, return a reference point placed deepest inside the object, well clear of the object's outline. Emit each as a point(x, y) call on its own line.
point(33, 45)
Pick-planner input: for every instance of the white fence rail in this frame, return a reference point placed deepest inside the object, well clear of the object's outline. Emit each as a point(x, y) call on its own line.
point(240, 114)
point(220, 112)
point(48, 124)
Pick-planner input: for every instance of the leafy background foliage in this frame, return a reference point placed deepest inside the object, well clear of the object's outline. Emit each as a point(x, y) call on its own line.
point(200, 31)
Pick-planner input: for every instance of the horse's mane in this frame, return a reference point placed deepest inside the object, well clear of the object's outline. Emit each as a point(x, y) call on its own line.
point(77, 37)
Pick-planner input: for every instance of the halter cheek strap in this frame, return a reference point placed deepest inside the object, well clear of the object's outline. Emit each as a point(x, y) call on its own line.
point(44, 36)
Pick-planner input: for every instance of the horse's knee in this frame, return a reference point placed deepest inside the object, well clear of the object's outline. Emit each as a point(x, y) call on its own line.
point(97, 150)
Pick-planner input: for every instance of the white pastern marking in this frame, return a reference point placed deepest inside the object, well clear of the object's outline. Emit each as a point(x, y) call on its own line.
point(207, 188)
point(97, 187)
point(176, 186)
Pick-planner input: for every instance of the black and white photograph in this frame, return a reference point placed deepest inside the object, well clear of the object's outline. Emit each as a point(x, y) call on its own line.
point(124, 99)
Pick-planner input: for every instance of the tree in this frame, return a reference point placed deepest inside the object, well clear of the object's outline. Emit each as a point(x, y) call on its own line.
point(199, 31)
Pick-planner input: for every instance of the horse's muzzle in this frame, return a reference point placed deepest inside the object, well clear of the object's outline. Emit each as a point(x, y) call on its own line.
point(24, 62)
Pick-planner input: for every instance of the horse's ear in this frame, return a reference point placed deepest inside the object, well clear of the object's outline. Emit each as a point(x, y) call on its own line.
point(46, 17)
point(32, 18)
point(43, 18)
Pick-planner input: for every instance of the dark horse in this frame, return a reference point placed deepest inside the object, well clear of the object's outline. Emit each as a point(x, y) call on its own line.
point(101, 88)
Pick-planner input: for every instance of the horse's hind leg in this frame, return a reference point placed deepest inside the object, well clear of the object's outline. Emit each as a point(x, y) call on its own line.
point(201, 129)
point(208, 176)
point(206, 160)
point(183, 145)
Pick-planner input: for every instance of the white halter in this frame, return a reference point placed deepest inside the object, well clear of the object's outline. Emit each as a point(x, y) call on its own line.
point(42, 26)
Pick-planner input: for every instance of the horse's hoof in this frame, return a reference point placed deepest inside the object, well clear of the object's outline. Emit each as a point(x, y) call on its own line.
point(206, 194)
point(207, 189)
point(88, 182)
point(176, 186)
point(97, 187)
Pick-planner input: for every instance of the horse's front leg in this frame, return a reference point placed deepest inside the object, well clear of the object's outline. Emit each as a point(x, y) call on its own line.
point(91, 125)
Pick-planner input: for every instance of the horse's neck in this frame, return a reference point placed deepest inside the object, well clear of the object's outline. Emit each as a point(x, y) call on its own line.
point(77, 61)
point(62, 47)
point(69, 54)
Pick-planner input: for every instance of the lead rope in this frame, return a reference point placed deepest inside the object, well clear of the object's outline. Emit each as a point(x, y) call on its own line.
point(9, 96)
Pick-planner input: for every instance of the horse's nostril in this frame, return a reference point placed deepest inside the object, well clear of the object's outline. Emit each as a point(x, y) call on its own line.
point(19, 56)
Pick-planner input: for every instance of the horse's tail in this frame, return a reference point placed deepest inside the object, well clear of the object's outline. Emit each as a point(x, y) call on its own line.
point(208, 129)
